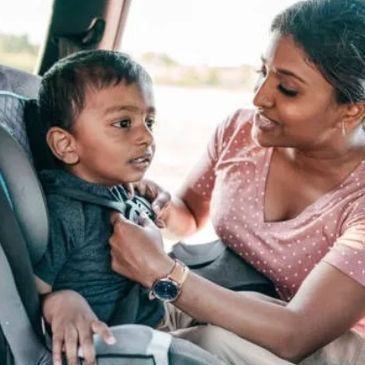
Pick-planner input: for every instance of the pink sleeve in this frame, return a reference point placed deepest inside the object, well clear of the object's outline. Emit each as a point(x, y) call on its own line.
point(348, 252)
point(202, 177)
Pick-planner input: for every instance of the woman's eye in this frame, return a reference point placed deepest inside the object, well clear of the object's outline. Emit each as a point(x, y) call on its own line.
point(124, 123)
point(150, 123)
point(288, 92)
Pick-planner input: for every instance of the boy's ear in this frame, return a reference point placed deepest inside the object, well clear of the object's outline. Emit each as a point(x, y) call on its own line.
point(62, 145)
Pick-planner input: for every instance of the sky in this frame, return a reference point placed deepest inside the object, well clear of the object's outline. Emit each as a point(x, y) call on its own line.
point(202, 31)
point(190, 31)
point(25, 17)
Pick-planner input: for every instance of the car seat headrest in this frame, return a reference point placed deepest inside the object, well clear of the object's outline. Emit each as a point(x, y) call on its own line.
point(12, 118)
point(41, 153)
point(18, 177)
point(19, 82)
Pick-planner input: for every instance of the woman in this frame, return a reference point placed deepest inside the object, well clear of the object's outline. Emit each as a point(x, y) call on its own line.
point(285, 189)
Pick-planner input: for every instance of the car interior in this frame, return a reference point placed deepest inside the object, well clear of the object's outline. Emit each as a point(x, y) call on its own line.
point(23, 238)
point(90, 24)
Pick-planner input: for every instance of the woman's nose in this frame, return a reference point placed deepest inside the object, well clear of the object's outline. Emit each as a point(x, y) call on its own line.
point(264, 96)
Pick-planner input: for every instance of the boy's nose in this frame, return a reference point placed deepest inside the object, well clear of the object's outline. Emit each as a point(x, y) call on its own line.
point(145, 136)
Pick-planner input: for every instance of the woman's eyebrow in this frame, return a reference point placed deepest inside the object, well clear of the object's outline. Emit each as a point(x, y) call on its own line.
point(286, 72)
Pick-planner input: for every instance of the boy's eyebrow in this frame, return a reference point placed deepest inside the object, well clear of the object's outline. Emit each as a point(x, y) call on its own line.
point(285, 72)
point(130, 108)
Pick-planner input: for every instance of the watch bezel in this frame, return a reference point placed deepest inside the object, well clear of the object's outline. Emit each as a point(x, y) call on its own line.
point(157, 293)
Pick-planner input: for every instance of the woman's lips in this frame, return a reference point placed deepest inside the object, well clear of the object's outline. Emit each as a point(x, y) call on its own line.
point(264, 123)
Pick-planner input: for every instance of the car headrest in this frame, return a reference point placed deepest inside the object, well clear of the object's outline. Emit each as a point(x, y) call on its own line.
point(18, 177)
point(19, 82)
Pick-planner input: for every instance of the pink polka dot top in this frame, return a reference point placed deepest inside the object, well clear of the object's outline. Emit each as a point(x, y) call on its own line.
point(233, 172)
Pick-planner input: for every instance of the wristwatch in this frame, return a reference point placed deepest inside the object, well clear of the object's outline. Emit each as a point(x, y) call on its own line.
point(167, 289)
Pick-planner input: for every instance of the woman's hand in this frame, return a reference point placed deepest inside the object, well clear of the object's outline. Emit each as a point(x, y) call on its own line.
point(159, 198)
point(73, 324)
point(137, 251)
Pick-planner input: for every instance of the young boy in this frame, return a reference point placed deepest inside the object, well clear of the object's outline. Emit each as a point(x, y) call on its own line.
point(98, 112)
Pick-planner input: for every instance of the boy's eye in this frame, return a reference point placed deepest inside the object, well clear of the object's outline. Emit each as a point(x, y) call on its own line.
point(124, 123)
point(150, 123)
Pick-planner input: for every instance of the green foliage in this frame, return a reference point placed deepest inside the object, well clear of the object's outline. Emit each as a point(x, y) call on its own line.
point(213, 77)
point(10, 43)
point(165, 70)
point(161, 59)
point(16, 51)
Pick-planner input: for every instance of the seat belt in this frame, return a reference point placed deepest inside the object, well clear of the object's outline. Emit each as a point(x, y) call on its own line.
point(129, 208)
point(119, 206)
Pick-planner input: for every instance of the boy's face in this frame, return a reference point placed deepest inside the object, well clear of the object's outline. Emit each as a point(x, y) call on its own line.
point(113, 134)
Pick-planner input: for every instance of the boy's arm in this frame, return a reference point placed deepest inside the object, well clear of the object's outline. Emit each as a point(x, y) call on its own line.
point(42, 286)
point(73, 324)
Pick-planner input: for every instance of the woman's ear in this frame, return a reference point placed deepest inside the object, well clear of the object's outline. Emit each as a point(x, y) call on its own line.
point(354, 114)
point(62, 145)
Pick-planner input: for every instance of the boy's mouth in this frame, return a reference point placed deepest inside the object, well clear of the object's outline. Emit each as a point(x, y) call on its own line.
point(141, 161)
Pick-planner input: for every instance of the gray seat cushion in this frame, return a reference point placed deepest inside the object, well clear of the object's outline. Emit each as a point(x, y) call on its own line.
point(19, 82)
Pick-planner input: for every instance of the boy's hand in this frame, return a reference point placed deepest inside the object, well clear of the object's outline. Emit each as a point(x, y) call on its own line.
point(159, 198)
point(73, 324)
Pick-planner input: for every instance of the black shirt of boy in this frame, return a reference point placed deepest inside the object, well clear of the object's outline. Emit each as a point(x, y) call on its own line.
point(78, 253)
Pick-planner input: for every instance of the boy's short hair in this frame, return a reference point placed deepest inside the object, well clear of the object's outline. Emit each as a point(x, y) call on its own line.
point(63, 87)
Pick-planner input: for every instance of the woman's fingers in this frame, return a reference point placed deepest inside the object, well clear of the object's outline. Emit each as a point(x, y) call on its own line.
point(161, 202)
point(160, 223)
point(154, 193)
point(129, 189)
point(116, 218)
point(137, 250)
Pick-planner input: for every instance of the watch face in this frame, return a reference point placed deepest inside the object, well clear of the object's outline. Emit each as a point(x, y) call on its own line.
point(166, 290)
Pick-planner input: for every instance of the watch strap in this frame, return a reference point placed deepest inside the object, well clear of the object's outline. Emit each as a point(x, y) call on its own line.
point(178, 273)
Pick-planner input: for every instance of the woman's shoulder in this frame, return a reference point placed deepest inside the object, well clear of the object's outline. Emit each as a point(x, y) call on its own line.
point(237, 123)
point(239, 119)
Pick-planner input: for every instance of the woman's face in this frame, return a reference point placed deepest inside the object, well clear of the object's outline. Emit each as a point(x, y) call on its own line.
point(296, 106)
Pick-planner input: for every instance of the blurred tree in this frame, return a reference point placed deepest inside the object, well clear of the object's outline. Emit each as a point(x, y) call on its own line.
point(16, 51)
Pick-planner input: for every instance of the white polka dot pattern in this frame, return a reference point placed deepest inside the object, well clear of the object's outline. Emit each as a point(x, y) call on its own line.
point(233, 175)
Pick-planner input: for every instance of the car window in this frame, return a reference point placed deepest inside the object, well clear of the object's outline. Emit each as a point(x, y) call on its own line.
point(23, 27)
point(202, 56)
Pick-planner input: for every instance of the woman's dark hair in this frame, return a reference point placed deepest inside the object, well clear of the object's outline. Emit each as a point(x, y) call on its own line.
point(63, 88)
point(332, 34)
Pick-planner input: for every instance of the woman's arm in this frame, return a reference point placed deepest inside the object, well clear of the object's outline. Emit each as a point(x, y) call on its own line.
point(180, 215)
point(189, 212)
point(327, 304)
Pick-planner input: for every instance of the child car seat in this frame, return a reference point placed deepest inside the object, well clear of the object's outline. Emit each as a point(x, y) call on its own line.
point(23, 240)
